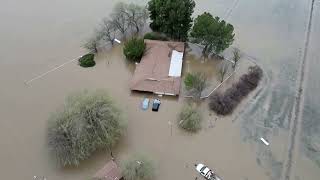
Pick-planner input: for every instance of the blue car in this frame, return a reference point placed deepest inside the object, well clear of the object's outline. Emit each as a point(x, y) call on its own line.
point(145, 104)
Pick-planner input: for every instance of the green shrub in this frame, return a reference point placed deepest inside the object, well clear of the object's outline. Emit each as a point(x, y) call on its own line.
point(190, 119)
point(155, 36)
point(138, 167)
point(134, 49)
point(88, 121)
point(87, 60)
point(195, 83)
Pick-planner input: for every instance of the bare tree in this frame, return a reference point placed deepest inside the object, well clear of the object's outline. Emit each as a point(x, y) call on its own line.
point(136, 16)
point(223, 70)
point(236, 57)
point(119, 18)
point(108, 30)
point(92, 43)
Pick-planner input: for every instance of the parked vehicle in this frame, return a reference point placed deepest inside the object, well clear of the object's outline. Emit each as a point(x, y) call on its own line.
point(206, 172)
point(156, 105)
point(145, 103)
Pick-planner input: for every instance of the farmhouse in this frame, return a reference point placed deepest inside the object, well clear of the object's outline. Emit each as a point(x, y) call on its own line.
point(159, 70)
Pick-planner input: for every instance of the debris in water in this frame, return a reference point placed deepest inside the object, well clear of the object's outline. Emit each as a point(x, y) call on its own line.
point(118, 41)
point(264, 141)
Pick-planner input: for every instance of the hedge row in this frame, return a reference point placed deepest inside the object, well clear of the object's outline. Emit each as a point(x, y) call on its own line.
point(155, 36)
point(225, 103)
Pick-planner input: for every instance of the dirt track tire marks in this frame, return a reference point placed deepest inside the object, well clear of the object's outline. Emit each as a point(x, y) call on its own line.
point(298, 107)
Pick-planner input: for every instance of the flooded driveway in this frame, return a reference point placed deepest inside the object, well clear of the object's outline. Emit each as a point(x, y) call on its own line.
point(38, 35)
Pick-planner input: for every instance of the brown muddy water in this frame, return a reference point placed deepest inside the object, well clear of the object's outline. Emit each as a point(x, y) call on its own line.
point(38, 35)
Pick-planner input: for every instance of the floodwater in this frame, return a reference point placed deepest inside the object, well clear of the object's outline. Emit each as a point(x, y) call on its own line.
point(38, 35)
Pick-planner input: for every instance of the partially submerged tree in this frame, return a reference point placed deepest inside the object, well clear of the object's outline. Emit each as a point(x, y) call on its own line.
point(87, 60)
point(189, 119)
point(119, 18)
point(93, 42)
point(108, 30)
point(201, 33)
point(213, 34)
point(171, 17)
point(138, 167)
point(87, 122)
point(236, 57)
point(223, 70)
point(136, 16)
point(195, 83)
point(134, 49)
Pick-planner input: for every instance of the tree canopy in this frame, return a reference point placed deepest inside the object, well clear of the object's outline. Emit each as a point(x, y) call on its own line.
point(88, 121)
point(129, 16)
point(87, 60)
point(214, 34)
point(134, 49)
point(172, 17)
point(195, 83)
point(138, 167)
point(190, 119)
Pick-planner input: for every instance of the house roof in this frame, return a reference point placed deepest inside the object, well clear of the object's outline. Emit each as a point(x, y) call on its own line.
point(109, 172)
point(159, 70)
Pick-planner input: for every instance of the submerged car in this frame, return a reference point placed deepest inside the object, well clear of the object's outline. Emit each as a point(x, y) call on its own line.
point(206, 172)
point(156, 105)
point(145, 104)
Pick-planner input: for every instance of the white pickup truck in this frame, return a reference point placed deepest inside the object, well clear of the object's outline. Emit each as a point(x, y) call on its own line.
point(206, 172)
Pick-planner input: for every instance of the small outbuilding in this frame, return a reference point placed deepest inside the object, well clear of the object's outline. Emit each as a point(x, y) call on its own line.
point(159, 70)
point(109, 172)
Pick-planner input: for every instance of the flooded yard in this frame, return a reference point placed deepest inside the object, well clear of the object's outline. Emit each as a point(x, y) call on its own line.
point(38, 35)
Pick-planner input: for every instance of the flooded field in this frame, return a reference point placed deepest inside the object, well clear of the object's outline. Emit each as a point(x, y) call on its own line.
point(38, 35)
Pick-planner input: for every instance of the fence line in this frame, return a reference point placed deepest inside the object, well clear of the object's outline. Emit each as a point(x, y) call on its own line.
point(54, 69)
point(204, 97)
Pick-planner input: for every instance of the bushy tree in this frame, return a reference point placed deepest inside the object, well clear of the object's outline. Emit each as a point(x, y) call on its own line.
point(195, 83)
point(214, 34)
point(87, 60)
point(138, 167)
point(189, 119)
point(171, 17)
point(134, 49)
point(88, 121)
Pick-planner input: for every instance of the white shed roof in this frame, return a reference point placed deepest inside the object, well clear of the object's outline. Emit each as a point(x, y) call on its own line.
point(176, 64)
